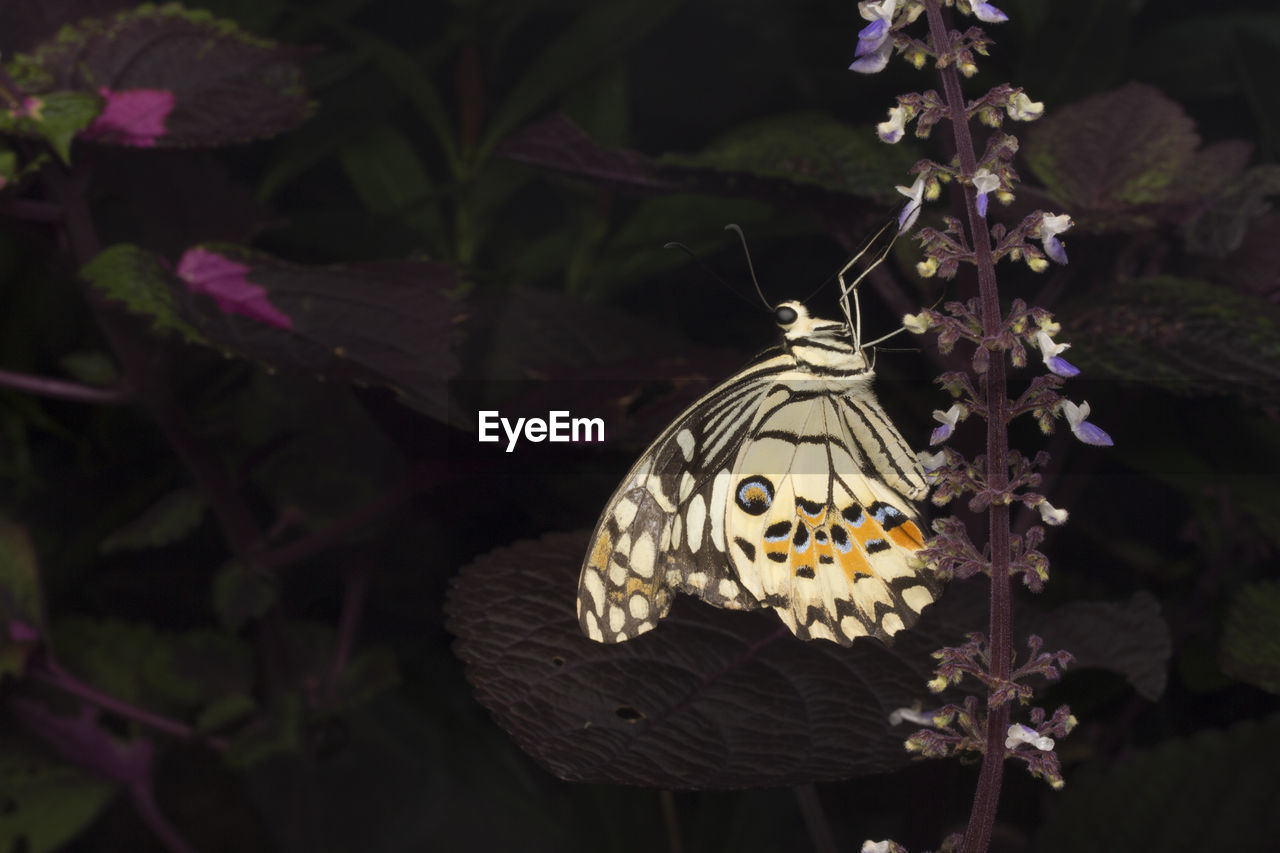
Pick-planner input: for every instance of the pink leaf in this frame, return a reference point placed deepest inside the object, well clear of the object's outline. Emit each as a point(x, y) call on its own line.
point(225, 280)
point(133, 117)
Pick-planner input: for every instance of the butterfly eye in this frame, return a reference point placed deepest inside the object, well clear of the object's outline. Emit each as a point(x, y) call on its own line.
point(785, 315)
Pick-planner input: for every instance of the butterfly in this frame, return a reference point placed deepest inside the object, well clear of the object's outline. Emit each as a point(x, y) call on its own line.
point(785, 487)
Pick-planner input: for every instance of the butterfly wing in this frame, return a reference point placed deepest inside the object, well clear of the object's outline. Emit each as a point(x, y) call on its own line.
point(822, 521)
point(664, 528)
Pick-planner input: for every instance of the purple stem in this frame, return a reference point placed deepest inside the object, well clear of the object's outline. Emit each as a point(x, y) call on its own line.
point(987, 797)
point(60, 389)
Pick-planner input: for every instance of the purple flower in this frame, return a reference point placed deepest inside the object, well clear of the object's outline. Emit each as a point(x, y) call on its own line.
point(1050, 228)
point(1082, 429)
point(915, 192)
point(948, 419)
point(984, 182)
point(874, 41)
point(990, 14)
point(1049, 351)
point(891, 131)
point(1019, 733)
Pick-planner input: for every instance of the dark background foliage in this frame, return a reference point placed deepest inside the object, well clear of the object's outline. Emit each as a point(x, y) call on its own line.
point(317, 614)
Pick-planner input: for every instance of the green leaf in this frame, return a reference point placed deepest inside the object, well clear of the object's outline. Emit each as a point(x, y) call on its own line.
point(371, 672)
point(45, 802)
point(1215, 791)
point(92, 367)
point(55, 117)
point(167, 521)
point(241, 595)
point(138, 278)
point(387, 173)
point(110, 654)
point(810, 149)
point(1250, 649)
point(21, 605)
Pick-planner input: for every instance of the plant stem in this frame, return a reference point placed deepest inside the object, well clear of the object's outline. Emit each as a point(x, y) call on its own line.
point(61, 389)
point(987, 797)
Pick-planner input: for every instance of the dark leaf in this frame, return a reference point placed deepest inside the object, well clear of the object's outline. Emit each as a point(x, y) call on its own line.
point(711, 699)
point(1215, 791)
point(1185, 336)
point(1250, 649)
point(141, 63)
point(1131, 639)
point(199, 667)
point(144, 283)
point(46, 802)
point(557, 143)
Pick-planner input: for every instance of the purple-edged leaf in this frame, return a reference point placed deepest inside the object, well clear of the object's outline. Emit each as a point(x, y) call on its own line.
point(710, 699)
point(1124, 158)
point(21, 602)
point(47, 802)
point(170, 77)
point(557, 143)
point(388, 323)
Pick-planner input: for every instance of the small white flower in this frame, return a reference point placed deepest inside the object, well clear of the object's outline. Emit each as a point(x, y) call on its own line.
point(1022, 108)
point(910, 715)
point(1019, 733)
point(915, 192)
point(1050, 351)
point(1050, 228)
point(984, 181)
point(990, 14)
point(891, 131)
point(1082, 429)
point(877, 846)
point(875, 41)
point(1051, 515)
point(948, 419)
point(932, 461)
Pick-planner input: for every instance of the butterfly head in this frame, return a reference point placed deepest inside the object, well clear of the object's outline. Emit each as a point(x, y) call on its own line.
point(824, 345)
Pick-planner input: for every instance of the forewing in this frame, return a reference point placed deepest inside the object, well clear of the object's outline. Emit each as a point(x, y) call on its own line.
point(664, 528)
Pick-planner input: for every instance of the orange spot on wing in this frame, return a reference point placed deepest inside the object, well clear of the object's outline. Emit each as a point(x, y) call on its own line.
point(907, 535)
point(600, 553)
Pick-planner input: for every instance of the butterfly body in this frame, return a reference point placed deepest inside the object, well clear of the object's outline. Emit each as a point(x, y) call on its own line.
point(785, 487)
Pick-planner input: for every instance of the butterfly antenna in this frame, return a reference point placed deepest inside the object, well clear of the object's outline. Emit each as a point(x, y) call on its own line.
point(750, 267)
point(707, 269)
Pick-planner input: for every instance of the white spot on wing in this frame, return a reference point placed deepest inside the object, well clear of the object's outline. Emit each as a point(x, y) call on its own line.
point(594, 585)
point(851, 627)
point(697, 580)
point(891, 624)
point(719, 495)
point(686, 485)
point(624, 512)
point(654, 486)
point(616, 619)
point(917, 597)
point(684, 438)
point(639, 606)
point(593, 628)
point(697, 517)
point(617, 574)
point(642, 556)
point(727, 588)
